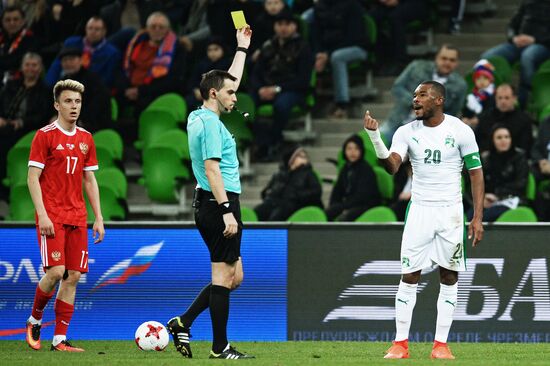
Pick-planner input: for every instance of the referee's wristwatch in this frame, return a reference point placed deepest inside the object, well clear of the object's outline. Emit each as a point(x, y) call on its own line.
point(278, 89)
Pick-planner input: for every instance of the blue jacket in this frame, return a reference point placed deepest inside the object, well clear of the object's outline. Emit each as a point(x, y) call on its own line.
point(106, 60)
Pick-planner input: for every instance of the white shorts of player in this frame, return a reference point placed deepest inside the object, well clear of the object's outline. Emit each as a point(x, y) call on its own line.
point(433, 235)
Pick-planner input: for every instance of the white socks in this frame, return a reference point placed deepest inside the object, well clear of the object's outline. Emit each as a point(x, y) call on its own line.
point(446, 303)
point(58, 339)
point(405, 299)
point(34, 321)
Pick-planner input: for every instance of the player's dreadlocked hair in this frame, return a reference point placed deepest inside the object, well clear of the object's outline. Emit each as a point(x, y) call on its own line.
point(67, 84)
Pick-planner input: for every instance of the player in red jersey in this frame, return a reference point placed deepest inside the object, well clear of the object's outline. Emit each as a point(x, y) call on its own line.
point(62, 158)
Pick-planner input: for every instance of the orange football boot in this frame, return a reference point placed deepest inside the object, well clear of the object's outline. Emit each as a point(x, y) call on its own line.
point(442, 351)
point(398, 350)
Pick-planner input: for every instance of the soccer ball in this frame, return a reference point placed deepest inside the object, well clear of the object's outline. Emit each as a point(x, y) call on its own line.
point(151, 336)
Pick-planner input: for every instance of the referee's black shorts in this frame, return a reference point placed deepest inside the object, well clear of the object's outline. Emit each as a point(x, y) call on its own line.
point(209, 220)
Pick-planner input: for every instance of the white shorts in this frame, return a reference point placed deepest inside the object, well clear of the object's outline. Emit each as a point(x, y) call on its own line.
point(433, 235)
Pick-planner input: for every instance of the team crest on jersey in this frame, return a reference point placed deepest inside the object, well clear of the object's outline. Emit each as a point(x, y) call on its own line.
point(56, 256)
point(83, 148)
point(70, 146)
point(449, 141)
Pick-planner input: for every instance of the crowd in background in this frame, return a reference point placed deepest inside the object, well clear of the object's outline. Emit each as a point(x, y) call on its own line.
point(168, 45)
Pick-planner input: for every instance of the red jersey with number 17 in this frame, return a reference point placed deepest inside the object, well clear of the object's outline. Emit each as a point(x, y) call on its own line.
point(63, 157)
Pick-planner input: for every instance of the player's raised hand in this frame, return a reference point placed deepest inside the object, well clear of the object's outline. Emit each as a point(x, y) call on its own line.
point(98, 231)
point(475, 230)
point(244, 35)
point(370, 123)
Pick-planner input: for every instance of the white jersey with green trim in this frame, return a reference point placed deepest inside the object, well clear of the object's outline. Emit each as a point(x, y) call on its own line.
point(437, 156)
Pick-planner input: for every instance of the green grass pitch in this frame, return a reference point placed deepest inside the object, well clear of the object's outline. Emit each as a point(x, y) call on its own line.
point(276, 353)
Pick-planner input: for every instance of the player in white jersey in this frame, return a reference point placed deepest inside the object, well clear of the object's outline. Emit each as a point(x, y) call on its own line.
point(437, 145)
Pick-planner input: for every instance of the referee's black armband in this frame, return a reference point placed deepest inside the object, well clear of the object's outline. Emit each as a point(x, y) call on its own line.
point(225, 207)
point(242, 49)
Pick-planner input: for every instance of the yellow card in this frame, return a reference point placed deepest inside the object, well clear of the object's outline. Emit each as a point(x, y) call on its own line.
point(238, 19)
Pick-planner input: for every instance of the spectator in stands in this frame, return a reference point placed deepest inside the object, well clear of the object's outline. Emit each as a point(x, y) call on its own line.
point(36, 18)
point(395, 15)
point(403, 183)
point(153, 65)
point(505, 113)
point(96, 101)
point(482, 96)
point(356, 189)
point(195, 31)
point(442, 70)
point(281, 78)
point(215, 59)
point(264, 22)
point(25, 105)
point(339, 37)
point(540, 155)
point(293, 187)
point(15, 41)
point(528, 42)
point(98, 55)
point(505, 170)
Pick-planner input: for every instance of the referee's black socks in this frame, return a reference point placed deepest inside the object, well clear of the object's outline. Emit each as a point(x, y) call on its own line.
point(219, 312)
point(199, 305)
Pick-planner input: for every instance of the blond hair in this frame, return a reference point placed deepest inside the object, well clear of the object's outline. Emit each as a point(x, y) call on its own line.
point(67, 84)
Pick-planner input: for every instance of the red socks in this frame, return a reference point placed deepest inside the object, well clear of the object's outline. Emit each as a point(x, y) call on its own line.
point(63, 314)
point(40, 301)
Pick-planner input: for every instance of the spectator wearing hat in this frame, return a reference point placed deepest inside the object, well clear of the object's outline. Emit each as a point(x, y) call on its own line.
point(96, 100)
point(281, 77)
point(482, 96)
point(98, 55)
point(215, 59)
point(263, 30)
point(293, 187)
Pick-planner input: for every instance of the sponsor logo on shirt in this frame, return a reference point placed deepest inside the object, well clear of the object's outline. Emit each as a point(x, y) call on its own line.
point(59, 147)
point(70, 146)
point(83, 148)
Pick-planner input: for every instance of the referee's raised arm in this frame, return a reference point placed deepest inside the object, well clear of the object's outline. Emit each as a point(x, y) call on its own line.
point(243, 41)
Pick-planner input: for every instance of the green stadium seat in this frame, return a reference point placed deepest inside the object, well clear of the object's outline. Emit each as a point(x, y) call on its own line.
point(544, 113)
point(385, 183)
point(540, 92)
point(114, 109)
point(112, 207)
point(164, 170)
point(113, 178)
point(153, 121)
point(17, 161)
point(520, 214)
point(531, 188)
point(378, 214)
point(21, 207)
point(109, 147)
point(172, 102)
point(248, 214)
point(308, 214)
point(503, 69)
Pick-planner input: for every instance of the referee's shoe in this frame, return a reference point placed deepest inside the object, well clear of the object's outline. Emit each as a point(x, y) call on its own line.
point(181, 336)
point(230, 353)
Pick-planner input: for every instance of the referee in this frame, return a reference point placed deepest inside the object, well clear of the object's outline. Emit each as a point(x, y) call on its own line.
point(217, 211)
